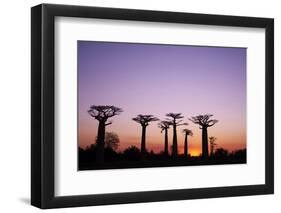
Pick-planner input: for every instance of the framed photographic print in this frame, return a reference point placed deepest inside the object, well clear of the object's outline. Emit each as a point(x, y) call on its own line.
point(169, 105)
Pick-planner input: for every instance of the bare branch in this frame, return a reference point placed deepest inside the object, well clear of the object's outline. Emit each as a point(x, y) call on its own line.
point(181, 124)
point(108, 123)
point(144, 120)
point(212, 122)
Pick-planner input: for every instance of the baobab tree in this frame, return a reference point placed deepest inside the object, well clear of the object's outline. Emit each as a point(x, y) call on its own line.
point(187, 132)
point(212, 145)
point(174, 119)
point(204, 122)
point(102, 113)
point(144, 121)
point(164, 126)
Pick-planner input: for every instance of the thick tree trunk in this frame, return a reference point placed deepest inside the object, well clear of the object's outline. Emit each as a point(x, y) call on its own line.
point(205, 151)
point(100, 143)
point(175, 142)
point(166, 152)
point(185, 146)
point(143, 135)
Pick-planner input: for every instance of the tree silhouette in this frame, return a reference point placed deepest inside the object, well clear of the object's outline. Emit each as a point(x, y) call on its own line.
point(174, 119)
point(212, 145)
point(204, 123)
point(102, 113)
point(111, 140)
point(144, 121)
point(187, 132)
point(164, 126)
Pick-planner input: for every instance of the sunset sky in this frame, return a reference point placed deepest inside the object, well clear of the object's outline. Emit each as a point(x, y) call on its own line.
point(158, 79)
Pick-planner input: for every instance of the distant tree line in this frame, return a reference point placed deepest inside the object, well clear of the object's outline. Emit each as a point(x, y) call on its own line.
point(87, 157)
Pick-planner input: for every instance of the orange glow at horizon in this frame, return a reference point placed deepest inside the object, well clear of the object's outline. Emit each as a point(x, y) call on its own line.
point(195, 153)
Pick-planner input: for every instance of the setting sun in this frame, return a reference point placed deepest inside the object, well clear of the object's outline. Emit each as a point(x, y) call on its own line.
point(194, 153)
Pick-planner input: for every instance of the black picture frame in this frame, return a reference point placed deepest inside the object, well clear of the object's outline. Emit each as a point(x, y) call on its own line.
point(43, 110)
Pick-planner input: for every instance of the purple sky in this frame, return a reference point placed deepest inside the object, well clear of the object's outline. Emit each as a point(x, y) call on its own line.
point(157, 79)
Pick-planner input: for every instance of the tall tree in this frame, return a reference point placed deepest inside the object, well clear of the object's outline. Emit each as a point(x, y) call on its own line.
point(102, 113)
point(164, 126)
point(187, 132)
point(144, 121)
point(212, 145)
point(174, 119)
point(204, 122)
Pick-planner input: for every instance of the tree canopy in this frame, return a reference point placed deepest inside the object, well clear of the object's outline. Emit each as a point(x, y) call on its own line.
point(173, 117)
point(163, 125)
point(144, 120)
point(204, 120)
point(103, 112)
point(187, 132)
